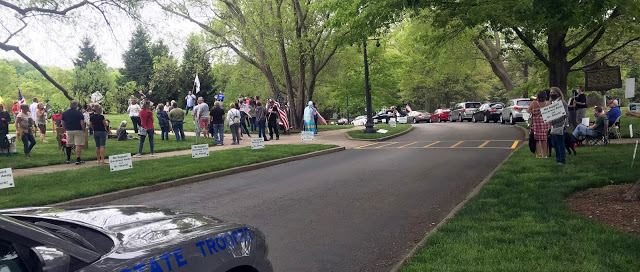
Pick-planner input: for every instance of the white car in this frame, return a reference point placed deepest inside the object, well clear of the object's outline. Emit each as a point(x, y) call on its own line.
point(359, 121)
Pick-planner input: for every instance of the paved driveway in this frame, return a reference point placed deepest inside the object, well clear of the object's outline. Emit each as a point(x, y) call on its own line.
point(358, 210)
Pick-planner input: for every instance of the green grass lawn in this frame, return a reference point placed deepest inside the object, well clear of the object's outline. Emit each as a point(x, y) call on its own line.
point(334, 127)
point(61, 186)
point(49, 153)
point(359, 134)
point(519, 221)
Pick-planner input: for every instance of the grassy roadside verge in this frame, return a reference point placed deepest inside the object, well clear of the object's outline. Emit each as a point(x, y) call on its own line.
point(359, 134)
point(49, 153)
point(61, 186)
point(519, 221)
point(334, 127)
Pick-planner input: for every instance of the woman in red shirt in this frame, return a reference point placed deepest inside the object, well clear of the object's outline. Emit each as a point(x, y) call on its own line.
point(146, 122)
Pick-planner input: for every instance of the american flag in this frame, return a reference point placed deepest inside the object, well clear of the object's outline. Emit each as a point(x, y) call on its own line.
point(20, 98)
point(283, 116)
point(408, 108)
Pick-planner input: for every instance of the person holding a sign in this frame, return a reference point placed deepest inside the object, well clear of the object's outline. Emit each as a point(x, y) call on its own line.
point(539, 127)
point(558, 125)
point(594, 130)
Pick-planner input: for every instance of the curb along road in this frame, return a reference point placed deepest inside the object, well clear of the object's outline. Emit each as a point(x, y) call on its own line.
point(383, 138)
point(453, 212)
point(93, 200)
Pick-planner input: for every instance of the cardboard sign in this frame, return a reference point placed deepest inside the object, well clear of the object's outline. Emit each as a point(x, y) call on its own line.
point(393, 123)
point(382, 131)
point(630, 88)
point(200, 151)
point(6, 178)
point(120, 162)
point(307, 135)
point(257, 143)
point(553, 112)
point(585, 121)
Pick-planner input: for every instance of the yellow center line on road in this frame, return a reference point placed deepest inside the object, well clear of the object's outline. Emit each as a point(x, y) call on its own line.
point(515, 143)
point(429, 145)
point(407, 145)
point(378, 147)
point(363, 146)
point(454, 146)
point(483, 144)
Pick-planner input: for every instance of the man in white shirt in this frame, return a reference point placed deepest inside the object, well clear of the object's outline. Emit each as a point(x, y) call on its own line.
point(33, 107)
point(191, 101)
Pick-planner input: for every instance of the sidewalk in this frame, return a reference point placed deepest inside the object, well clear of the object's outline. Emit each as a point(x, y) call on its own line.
point(336, 137)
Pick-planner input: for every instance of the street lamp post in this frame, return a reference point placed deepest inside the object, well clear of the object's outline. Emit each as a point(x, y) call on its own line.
point(368, 127)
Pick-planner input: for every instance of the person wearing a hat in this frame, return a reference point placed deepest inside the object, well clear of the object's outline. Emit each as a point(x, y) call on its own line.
point(614, 112)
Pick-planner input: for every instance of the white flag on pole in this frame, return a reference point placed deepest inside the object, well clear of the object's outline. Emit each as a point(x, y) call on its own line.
point(196, 84)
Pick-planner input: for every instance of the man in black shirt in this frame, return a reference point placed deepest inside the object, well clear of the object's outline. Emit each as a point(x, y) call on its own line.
point(272, 118)
point(580, 103)
point(217, 122)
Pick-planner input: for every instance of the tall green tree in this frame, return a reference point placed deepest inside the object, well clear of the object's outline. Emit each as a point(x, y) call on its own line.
point(93, 77)
point(87, 53)
point(196, 60)
point(165, 82)
point(138, 62)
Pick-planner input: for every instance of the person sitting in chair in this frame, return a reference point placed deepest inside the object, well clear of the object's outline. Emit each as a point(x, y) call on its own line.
point(594, 130)
point(614, 112)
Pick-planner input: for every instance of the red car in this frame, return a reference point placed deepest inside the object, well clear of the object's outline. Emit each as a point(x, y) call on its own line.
point(440, 115)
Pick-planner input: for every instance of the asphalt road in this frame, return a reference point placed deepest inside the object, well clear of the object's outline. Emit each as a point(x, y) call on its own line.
point(357, 210)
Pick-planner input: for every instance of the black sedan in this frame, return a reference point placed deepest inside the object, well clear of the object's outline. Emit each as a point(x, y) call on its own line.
point(126, 239)
point(488, 112)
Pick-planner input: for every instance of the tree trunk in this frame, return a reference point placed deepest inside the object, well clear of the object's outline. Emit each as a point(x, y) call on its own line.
point(634, 193)
point(491, 51)
point(559, 66)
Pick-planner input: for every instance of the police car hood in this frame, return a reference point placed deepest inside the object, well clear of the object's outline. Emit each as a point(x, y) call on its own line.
point(134, 227)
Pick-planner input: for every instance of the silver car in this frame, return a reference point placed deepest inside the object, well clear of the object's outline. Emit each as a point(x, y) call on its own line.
point(515, 111)
point(418, 116)
point(464, 111)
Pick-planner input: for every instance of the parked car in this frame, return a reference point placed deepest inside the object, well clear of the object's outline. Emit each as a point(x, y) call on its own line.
point(515, 111)
point(359, 121)
point(488, 112)
point(418, 116)
point(126, 238)
point(384, 116)
point(342, 121)
point(464, 111)
point(440, 115)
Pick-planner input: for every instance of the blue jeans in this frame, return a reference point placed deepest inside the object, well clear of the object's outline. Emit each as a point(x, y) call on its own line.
point(100, 137)
point(252, 124)
point(243, 128)
point(178, 130)
point(218, 133)
point(557, 141)
point(188, 107)
point(582, 130)
point(28, 141)
point(150, 133)
point(262, 129)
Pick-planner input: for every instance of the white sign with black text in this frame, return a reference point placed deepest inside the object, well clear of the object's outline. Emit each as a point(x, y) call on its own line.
point(257, 143)
point(307, 135)
point(393, 123)
point(200, 151)
point(553, 112)
point(120, 162)
point(6, 178)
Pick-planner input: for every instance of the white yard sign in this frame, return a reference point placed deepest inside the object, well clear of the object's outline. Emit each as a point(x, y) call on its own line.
point(257, 143)
point(120, 162)
point(393, 123)
point(6, 178)
point(382, 131)
point(553, 112)
point(200, 151)
point(402, 120)
point(630, 88)
point(307, 135)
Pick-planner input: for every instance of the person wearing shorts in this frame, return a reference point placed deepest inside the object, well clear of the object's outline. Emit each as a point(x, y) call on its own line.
point(203, 117)
point(74, 125)
point(99, 125)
